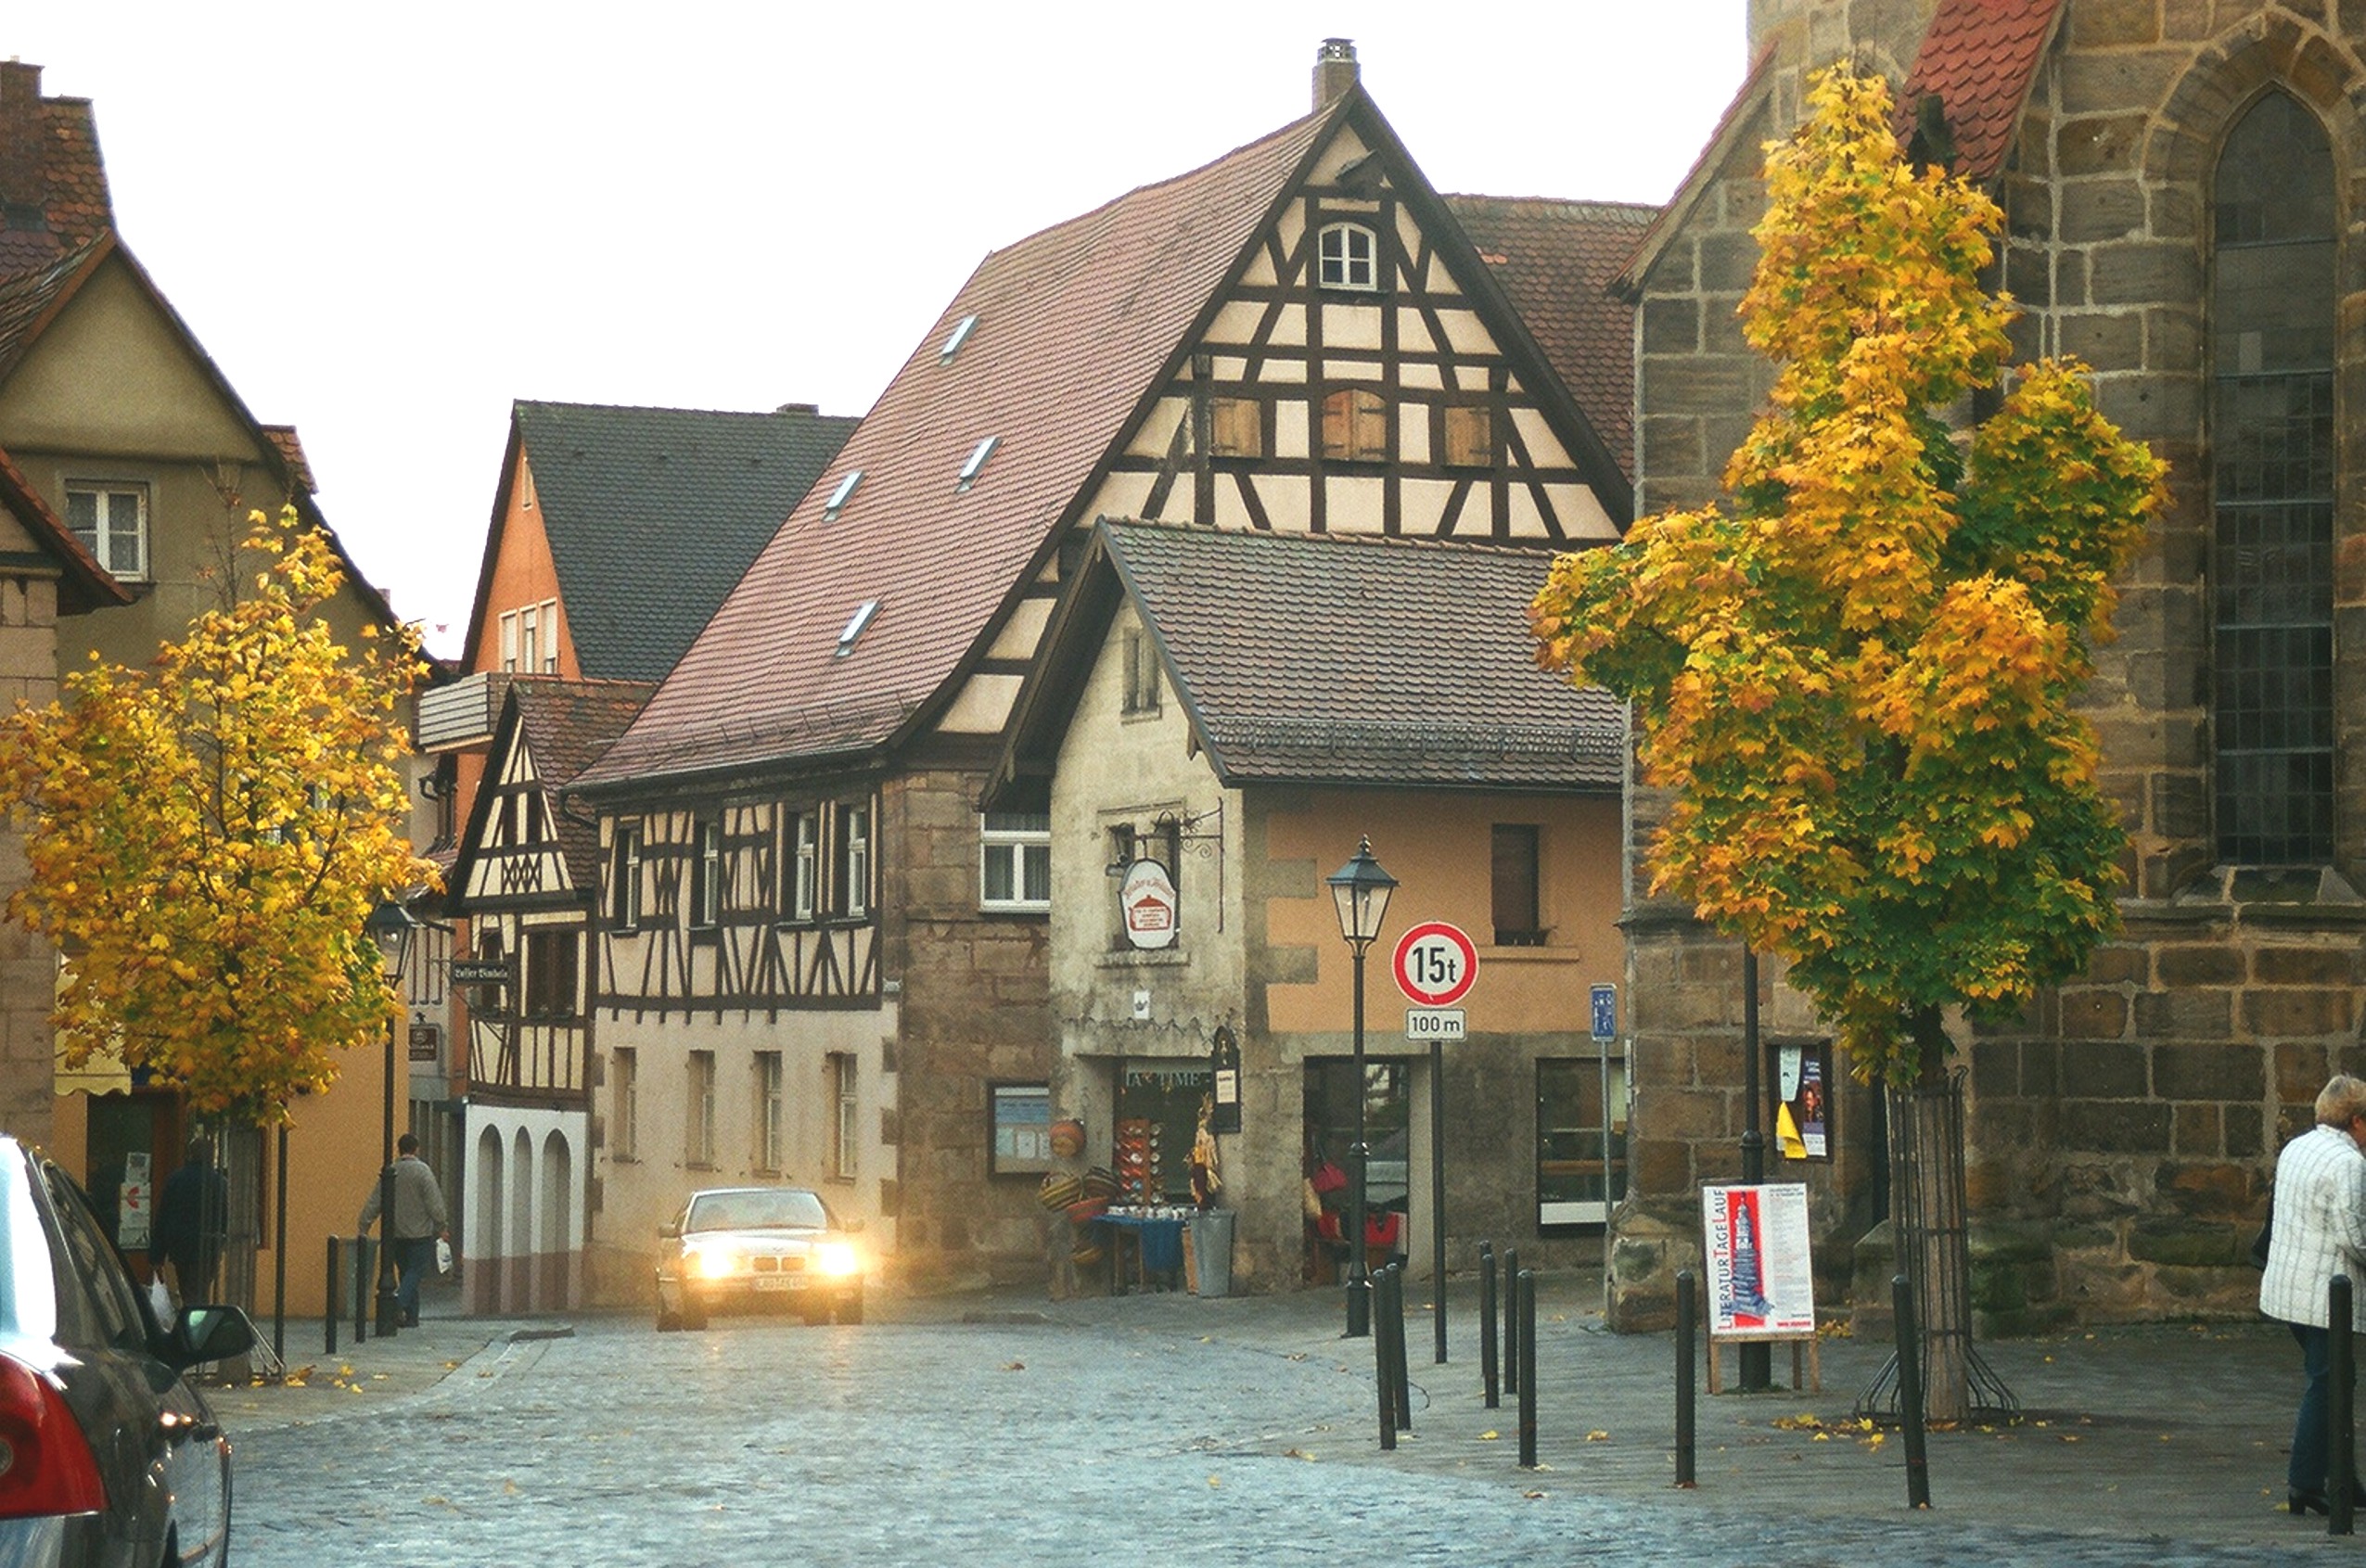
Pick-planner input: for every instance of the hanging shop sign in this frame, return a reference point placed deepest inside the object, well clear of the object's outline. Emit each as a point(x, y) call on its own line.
point(1146, 901)
point(1225, 1069)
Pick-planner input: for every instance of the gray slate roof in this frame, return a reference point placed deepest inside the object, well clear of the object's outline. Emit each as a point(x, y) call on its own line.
point(653, 513)
point(1350, 658)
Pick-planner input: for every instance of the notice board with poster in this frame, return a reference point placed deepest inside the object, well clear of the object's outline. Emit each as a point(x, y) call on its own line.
point(1761, 1282)
point(1803, 1103)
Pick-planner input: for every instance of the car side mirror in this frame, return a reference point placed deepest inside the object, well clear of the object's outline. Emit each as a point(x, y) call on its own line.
point(670, 1231)
point(209, 1333)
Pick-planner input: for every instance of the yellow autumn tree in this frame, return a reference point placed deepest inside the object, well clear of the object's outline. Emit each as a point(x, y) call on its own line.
point(1857, 678)
point(207, 838)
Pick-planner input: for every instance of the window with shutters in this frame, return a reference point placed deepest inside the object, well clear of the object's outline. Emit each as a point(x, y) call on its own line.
point(1236, 427)
point(1355, 424)
point(1470, 436)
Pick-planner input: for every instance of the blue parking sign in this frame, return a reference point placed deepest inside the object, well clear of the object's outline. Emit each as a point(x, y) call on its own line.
point(1605, 1013)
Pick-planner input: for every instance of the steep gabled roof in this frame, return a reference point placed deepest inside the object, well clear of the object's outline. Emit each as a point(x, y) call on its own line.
point(1074, 327)
point(31, 303)
point(84, 584)
point(1325, 658)
point(652, 515)
point(1978, 59)
point(1555, 261)
point(564, 725)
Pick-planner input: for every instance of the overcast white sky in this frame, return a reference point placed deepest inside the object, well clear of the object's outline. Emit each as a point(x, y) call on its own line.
point(385, 222)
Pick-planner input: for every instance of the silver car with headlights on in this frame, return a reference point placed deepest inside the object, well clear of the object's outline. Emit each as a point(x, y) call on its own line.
point(758, 1249)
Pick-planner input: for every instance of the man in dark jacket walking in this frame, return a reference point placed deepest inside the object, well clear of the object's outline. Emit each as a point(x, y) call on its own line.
point(192, 1216)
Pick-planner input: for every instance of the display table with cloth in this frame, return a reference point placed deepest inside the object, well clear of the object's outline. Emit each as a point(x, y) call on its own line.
point(1153, 1238)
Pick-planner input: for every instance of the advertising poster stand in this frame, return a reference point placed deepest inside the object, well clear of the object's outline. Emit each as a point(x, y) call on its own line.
point(1760, 1275)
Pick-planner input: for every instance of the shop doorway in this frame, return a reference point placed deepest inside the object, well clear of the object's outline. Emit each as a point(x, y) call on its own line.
point(1580, 1140)
point(1157, 1117)
point(1331, 1092)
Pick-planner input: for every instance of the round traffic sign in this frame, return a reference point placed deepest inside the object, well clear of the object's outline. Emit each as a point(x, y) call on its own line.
point(1436, 965)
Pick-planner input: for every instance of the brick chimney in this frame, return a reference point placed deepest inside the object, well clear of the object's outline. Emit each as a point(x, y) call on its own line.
point(21, 142)
point(1335, 71)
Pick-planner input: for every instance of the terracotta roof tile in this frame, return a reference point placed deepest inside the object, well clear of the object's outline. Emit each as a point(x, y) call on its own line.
point(653, 513)
point(1313, 658)
point(1073, 324)
point(27, 297)
point(1555, 261)
point(567, 725)
point(291, 451)
point(71, 207)
point(1978, 59)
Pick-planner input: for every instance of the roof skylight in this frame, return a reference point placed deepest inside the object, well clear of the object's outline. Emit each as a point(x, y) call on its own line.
point(841, 496)
point(855, 625)
point(970, 470)
point(961, 329)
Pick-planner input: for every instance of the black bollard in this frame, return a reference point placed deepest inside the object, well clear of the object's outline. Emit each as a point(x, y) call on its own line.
point(2341, 1449)
point(1909, 1393)
point(1511, 1321)
point(1687, 1315)
point(1397, 1351)
point(1383, 1377)
point(1526, 1314)
point(1489, 1373)
point(336, 1299)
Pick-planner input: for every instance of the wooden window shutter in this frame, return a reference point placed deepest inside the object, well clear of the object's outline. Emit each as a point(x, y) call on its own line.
point(1239, 428)
point(1355, 424)
point(1470, 436)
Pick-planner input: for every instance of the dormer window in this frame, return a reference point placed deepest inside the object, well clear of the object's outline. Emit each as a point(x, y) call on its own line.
point(1347, 258)
point(961, 329)
point(841, 496)
point(970, 471)
point(855, 625)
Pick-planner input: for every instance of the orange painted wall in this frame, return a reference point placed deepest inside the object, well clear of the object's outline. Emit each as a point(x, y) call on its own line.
point(523, 573)
point(1438, 848)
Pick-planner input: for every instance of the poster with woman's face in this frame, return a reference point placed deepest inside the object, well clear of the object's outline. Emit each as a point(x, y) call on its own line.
point(1802, 1127)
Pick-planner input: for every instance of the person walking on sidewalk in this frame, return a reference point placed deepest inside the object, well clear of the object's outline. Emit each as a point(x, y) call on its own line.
point(417, 1223)
point(2317, 1229)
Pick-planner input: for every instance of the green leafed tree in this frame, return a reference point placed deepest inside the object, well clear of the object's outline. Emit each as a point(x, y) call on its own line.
point(1856, 678)
point(208, 835)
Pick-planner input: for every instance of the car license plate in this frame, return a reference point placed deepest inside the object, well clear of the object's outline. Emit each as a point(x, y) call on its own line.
point(779, 1281)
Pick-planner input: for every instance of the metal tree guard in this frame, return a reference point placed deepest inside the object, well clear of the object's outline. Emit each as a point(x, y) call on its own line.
point(1928, 1222)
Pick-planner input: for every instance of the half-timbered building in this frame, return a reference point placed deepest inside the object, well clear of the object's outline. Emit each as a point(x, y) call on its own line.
point(1240, 708)
point(525, 880)
point(615, 533)
point(819, 958)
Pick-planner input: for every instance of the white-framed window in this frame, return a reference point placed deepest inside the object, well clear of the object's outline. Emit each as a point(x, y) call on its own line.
point(1141, 673)
point(624, 878)
point(844, 1126)
point(111, 521)
point(624, 1132)
point(698, 1108)
point(1346, 256)
point(854, 859)
point(530, 639)
point(1015, 854)
point(768, 1151)
point(706, 876)
point(800, 865)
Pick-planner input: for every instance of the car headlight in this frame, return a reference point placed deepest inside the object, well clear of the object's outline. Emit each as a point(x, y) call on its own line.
point(837, 1259)
point(714, 1263)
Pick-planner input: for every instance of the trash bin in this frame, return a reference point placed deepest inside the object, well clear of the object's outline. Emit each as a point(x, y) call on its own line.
point(1211, 1247)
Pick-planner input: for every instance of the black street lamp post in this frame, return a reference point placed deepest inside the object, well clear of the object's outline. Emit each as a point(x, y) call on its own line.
point(1361, 890)
point(391, 926)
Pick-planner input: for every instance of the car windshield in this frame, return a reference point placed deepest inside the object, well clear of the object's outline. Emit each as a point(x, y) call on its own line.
point(778, 1210)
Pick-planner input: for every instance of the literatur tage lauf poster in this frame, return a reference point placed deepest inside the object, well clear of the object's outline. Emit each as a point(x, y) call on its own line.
point(1760, 1282)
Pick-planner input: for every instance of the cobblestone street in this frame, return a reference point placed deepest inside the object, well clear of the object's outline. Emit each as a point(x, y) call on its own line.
point(1123, 1437)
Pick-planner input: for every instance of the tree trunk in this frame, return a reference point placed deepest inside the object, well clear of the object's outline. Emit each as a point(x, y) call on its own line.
point(1926, 1187)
